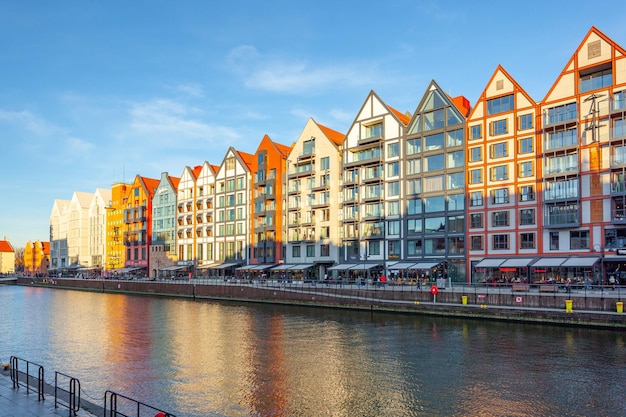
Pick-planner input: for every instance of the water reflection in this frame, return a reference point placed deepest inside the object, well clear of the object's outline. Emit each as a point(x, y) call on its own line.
point(211, 359)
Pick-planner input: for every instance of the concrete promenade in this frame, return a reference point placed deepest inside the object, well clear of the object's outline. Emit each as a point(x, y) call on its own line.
point(15, 402)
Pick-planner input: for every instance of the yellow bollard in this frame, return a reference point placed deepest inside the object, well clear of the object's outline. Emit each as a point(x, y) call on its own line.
point(464, 299)
point(620, 306)
point(568, 306)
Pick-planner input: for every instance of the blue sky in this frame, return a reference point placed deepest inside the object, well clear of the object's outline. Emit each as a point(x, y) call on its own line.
point(92, 93)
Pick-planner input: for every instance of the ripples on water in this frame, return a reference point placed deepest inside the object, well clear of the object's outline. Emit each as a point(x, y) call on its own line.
point(203, 359)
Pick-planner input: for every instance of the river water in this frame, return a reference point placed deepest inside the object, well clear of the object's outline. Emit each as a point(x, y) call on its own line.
point(204, 358)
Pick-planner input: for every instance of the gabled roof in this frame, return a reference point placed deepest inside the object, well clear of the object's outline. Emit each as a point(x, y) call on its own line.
point(403, 118)
point(150, 184)
point(334, 136)
point(247, 159)
point(175, 181)
point(196, 171)
point(574, 61)
point(5, 246)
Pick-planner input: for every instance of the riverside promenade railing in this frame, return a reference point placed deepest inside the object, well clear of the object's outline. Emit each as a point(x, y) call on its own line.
point(118, 405)
point(28, 375)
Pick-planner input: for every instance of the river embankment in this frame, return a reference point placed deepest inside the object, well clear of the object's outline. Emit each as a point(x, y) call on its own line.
point(597, 307)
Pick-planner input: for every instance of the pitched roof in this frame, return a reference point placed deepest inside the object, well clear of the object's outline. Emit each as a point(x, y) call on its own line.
point(5, 246)
point(247, 158)
point(334, 136)
point(404, 119)
point(151, 185)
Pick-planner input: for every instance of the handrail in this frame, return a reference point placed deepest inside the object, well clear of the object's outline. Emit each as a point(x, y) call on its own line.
point(71, 396)
point(127, 405)
point(30, 379)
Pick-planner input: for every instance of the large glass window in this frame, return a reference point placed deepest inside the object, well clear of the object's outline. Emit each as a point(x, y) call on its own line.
point(579, 239)
point(563, 113)
point(393, 208)
point(526, 169)
point(499, 127)
point(434, 204)
point(413, 146)
point(414, 206)
point(527, 217)
point(413, 186)
point(455, 138)
point(476, 198)
point(499, 150)
point(500, 196)
point(414, 226)
point(433, 142)
point(476, 221)
point(456, 181)
point(525, 122)
point(434, 120)
point(476, 132)
point(393, 169)
point(413, 166)
point(596, 79)
point(393, 189)
point(476, 176)
point(433, 163)
point(373, 131)
point(500, 218)
point(435, 225)
point(393, 149)
point(499, 173)
point(527, 241)
point(456, 159)
point(500, 104)
point(456, 202)
point(500, 242)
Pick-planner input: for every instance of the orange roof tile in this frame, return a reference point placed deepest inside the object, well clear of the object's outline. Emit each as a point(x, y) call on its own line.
point(334, 136)
point(247, 158)
point(401, 116)
point(175, 181)
point(5, 246)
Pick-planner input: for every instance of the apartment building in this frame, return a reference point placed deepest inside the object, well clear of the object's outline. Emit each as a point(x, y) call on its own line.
point(78, 230)
point(59, 222)
point(205, 217)
point(138, 225)
point(233, 195)
point(98, 229)
point(313, 186)
point(426, 216)
point(371, 190)
point(583, 119)
point(163, 249)
point(503, 208)
point(7, 257)
point(115, 226)
point(266, 210)
point(36, 258)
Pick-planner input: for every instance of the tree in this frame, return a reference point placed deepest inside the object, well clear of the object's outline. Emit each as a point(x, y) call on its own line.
point(19, 260)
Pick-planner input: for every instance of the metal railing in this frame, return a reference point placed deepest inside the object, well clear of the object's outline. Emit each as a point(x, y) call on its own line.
point(118, 405)
point(22, 375)
point(68, 398)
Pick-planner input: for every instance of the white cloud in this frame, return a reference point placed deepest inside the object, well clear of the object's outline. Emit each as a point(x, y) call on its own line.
point(168, 121)
point(28, 121)
point(278, 74)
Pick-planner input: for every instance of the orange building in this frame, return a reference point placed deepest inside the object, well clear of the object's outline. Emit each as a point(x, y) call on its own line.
point(268, 169)
point(36, 258)
point(138, 224)
point(115, 250)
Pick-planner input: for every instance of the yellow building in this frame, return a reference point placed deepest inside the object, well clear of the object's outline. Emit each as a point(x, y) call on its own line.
point(36, 258)
point(115, 253)
point(7, 257)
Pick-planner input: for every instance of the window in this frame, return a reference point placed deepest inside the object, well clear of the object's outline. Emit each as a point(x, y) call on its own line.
point(434, 163)
point(455, 138)
point(393, 249)
point(413, 146)
point(455, 159)
point(325, 250)
point(579, 239)
point(499, 173)
point(476, 198)
point(456, 181)
point(476, 154)
point(373, 248)
point(476, 221)
point(527, 193)
point(476, 132)
point(414, 226)
point(414, 247)
point(525, 122)
point(527, 241)
point(393, 227)
point(393, 149)
point(393, 208)
point(562, 113)
point(500, 196)
point(526, 169)
point(598, 78)
point(500, 219)
point(413, 186)
point(500, 242)
point(434, 119)
point(393, 169)
point(476, 243)
point(413, 166)
point(499, 150)
point(415, 206)
point(325, 163)
point(308, 147)
point(295, 251)
point(499, 127)
point(476, 176)
point(456, 202)
point(374, 130)
point(230, 164)
point(393, 189)
point(433, 142)
point(527, 217)
point(500, 104)
point(525, 145)
point(310, 251)
point(554, 240)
